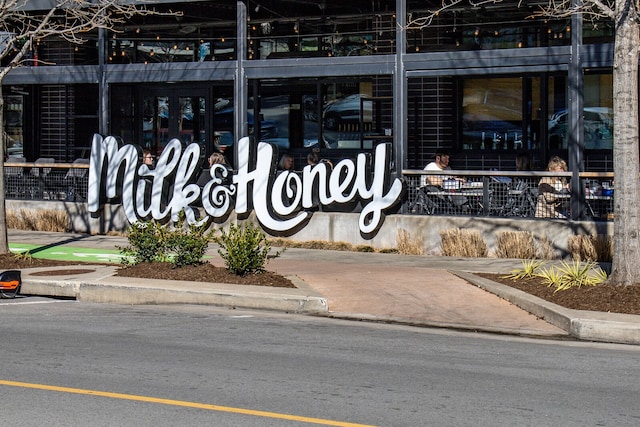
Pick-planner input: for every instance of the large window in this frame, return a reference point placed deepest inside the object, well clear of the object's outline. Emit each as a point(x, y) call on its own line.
point(501, 114)
point(504, 25)
point(597, 113)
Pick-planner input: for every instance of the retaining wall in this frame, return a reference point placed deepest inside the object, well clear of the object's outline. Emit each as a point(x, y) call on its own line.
point(343, 227)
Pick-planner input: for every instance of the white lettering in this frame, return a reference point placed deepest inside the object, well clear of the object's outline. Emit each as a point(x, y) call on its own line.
point(278, 199)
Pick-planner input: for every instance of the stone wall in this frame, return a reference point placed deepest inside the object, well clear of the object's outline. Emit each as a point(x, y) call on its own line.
point(343, 227)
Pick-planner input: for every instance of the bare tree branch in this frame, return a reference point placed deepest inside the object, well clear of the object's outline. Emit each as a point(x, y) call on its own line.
point(427, 20)
point(69, 20)
point(593, 10)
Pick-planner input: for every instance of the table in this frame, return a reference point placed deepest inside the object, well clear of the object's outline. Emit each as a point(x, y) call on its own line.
point(462, 201)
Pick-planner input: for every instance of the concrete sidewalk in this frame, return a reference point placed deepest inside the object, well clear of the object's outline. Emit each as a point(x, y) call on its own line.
point(413, 290)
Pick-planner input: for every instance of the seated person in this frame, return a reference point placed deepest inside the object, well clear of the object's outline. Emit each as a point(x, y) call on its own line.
point(313, 158)
point(440, 163)
point(147, 158)
point(549, 205)
point(215, 158)
point(523, 162)
point(286, 162)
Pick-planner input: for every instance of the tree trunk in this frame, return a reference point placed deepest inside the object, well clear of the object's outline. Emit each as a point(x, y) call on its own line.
point(4, 240)
point(626, 257)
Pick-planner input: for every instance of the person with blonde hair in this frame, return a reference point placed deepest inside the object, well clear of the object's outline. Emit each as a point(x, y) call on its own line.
point(550, 188)
point(216, 158)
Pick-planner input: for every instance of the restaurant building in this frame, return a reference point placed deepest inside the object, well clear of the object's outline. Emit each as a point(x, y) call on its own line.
point(343, 76)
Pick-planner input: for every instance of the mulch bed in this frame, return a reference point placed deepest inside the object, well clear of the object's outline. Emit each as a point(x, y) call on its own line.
point(205, 272)
point(606, 298)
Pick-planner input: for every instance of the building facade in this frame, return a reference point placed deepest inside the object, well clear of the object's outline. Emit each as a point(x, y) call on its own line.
point(484, 83)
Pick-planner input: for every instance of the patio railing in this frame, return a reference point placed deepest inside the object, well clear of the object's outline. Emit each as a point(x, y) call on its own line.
point(510, 194)
point(46, 180)
point(470, 193)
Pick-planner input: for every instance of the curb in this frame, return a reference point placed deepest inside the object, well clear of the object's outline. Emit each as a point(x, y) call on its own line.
point(109, 289)
point(580, 324)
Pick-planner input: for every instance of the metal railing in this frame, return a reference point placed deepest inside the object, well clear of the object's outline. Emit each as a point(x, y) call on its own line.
point(471, 193)
point(46, 180)
point(510, 194)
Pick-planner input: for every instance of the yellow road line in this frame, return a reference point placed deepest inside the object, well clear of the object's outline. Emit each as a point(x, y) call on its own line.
point(181, 403)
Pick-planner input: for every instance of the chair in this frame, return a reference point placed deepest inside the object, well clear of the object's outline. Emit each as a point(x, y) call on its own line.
point(10, 283)
point(522, 200)
point(498, 198)
point(77, 181)
point(13, 178)
point(39, 178)
point(45, 171)
point(433, 200)
point(425, 203)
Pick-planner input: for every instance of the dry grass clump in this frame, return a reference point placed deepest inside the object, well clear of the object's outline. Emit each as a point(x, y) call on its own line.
point(463, 243)
point(321, 244)
point(524, 245)
point(594, 248)
point(40, 220)
point(545, 249)
point(516, 244)
point(407, 245)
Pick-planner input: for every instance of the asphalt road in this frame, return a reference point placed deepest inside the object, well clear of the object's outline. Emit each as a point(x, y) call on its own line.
point(72, 363)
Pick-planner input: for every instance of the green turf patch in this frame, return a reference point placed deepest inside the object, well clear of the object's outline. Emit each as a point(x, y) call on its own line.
point(68, 253)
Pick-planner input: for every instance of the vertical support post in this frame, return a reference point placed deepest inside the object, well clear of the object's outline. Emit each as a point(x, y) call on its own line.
point(240, 87)
point(103, 87)
point(400, 92)
point(575, 119)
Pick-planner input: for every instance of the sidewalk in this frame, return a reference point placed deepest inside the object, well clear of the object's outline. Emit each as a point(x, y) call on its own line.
point(413, 290)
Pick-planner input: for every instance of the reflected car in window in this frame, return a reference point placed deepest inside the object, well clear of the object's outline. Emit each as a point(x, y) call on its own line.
point(598, 127)
point(223, 121)
point(343, 111)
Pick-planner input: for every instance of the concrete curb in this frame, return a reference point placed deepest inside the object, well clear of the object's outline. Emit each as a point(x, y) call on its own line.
point(581, 324)
point(110, 289)
point(441, 325)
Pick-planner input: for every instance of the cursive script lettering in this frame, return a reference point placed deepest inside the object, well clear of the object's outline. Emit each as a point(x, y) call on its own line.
point(281, 199)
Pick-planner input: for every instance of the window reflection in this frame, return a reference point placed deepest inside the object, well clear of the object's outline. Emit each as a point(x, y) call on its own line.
point(492, 114)
point(597, 116)
point(191, 120)
point(501, 26)
point(155, 122)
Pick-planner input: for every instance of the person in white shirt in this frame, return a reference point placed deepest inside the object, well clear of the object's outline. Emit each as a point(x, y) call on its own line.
point(440, 163)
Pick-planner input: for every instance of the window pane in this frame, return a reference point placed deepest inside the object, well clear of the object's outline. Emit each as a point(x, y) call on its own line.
point(492, 113)
point(155, 123)
point(597, 112)
point(191, 120)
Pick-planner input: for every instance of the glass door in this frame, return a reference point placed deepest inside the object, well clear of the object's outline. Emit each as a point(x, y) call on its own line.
point(13, 119)
point(168, 114)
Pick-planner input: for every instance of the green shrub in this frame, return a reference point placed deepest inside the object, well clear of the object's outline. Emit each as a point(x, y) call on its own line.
point(573, 275)
point(578, 274)
point(529, 269)
point(244, 249)
point(187, 245)
point(147, 243)
point(551, 277)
